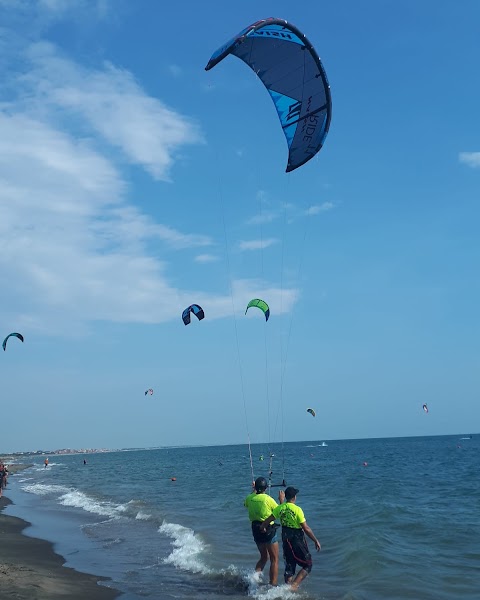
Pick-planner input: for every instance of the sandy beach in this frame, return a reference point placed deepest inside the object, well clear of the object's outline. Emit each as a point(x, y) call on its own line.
point(31, 570)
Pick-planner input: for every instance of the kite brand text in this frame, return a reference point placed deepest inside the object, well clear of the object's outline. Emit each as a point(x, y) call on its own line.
point(280, 34)
point(309, 128)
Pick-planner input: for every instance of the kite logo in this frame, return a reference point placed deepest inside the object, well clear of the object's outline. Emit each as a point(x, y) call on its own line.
point(281, 34)
point(294, 111)
point(309, 127)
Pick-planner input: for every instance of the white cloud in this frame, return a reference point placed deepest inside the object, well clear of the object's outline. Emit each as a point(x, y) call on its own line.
point(110, 103)
point(74, 247)
point(206, 258)
point(73, 250)
point(175, 70)
point(52, 10)
point(316, 209)
point(472, 159)
point(263, 217)
point(257, 244)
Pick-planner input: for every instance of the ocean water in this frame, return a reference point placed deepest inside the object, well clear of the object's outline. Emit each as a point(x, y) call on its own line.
point(397, 518)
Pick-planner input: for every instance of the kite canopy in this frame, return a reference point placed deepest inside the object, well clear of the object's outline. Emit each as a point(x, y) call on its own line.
point(196, 310)
point(425, 408)
point(311, 411)
point(289, 67)
point(18, 335)
point(149, 391)
point(261, 305)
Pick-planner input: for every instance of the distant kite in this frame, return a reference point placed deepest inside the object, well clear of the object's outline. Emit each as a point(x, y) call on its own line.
point(196, 310)
point(263, 306)
point(425, 408)
point(311, 411)
point(18, 335)
point(149, 391)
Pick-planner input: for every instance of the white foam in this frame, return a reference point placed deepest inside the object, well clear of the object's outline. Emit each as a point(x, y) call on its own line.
point(114, 542)
point(48, 467)
point(72, 497)
point(41, 489)
point(257, 589)
point(78, 499)
point(143, 516)
point(187, 548)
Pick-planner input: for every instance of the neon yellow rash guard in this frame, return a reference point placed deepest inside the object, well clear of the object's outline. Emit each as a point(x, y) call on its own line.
point(290, 515)
point(260, 506)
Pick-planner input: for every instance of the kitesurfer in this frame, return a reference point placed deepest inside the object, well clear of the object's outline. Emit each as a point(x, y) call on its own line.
point(46, 462)
point(260, 505)
point(294, 529)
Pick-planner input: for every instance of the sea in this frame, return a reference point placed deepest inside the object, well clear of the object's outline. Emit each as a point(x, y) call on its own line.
point(397, 518)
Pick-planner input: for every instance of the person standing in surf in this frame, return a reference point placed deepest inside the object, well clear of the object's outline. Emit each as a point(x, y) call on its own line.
point(2, 475)
point(294, 529)
point(260, 505)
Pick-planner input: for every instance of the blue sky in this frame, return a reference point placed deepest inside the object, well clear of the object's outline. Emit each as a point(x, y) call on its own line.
point(133, 183)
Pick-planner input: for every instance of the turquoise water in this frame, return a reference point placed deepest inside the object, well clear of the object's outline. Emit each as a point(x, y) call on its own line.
point(406, 525)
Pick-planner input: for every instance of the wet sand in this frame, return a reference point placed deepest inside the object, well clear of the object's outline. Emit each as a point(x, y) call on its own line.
point(31, 570)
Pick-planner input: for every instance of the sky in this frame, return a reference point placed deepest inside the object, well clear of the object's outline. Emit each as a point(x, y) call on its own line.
point(133, 184)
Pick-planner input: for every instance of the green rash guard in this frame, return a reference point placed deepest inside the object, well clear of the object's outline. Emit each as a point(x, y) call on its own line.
point(290, 515)
point(260, 506)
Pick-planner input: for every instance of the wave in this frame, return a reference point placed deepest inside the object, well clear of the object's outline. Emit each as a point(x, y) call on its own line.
point(68, 496)
point(73, 497)
point(187, 555)
point(187, 548)
point(142, 516)
point(42, 489)
point(78, 499)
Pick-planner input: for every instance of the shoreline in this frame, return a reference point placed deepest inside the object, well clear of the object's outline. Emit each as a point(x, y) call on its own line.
point(30, 569)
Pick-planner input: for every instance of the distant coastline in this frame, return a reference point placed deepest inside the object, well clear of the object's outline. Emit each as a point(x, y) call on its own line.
point(67, 451)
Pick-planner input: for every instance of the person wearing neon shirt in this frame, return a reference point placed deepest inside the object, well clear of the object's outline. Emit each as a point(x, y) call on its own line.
point(260, 506)
point(294, 529)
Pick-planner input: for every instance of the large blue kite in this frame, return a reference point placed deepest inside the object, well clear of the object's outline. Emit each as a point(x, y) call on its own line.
point(290, 69)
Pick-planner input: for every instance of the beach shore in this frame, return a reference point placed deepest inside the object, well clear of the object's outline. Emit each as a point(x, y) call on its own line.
point(31, 570)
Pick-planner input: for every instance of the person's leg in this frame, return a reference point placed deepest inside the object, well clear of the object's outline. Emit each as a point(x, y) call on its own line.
point(273, 555)
point(303, 559)
point(290, 564)
point(298, 579)
point(262, 548)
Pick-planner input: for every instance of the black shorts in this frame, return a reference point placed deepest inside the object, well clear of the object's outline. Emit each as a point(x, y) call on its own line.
point(295, 551)
point(260, 537)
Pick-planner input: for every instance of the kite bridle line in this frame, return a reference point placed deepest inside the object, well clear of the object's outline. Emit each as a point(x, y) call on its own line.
point(267, 391)
point(229, 277)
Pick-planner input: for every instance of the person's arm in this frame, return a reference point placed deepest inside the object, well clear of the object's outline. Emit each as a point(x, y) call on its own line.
point(270, 519)
point(281, 496)
point(311, 535)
